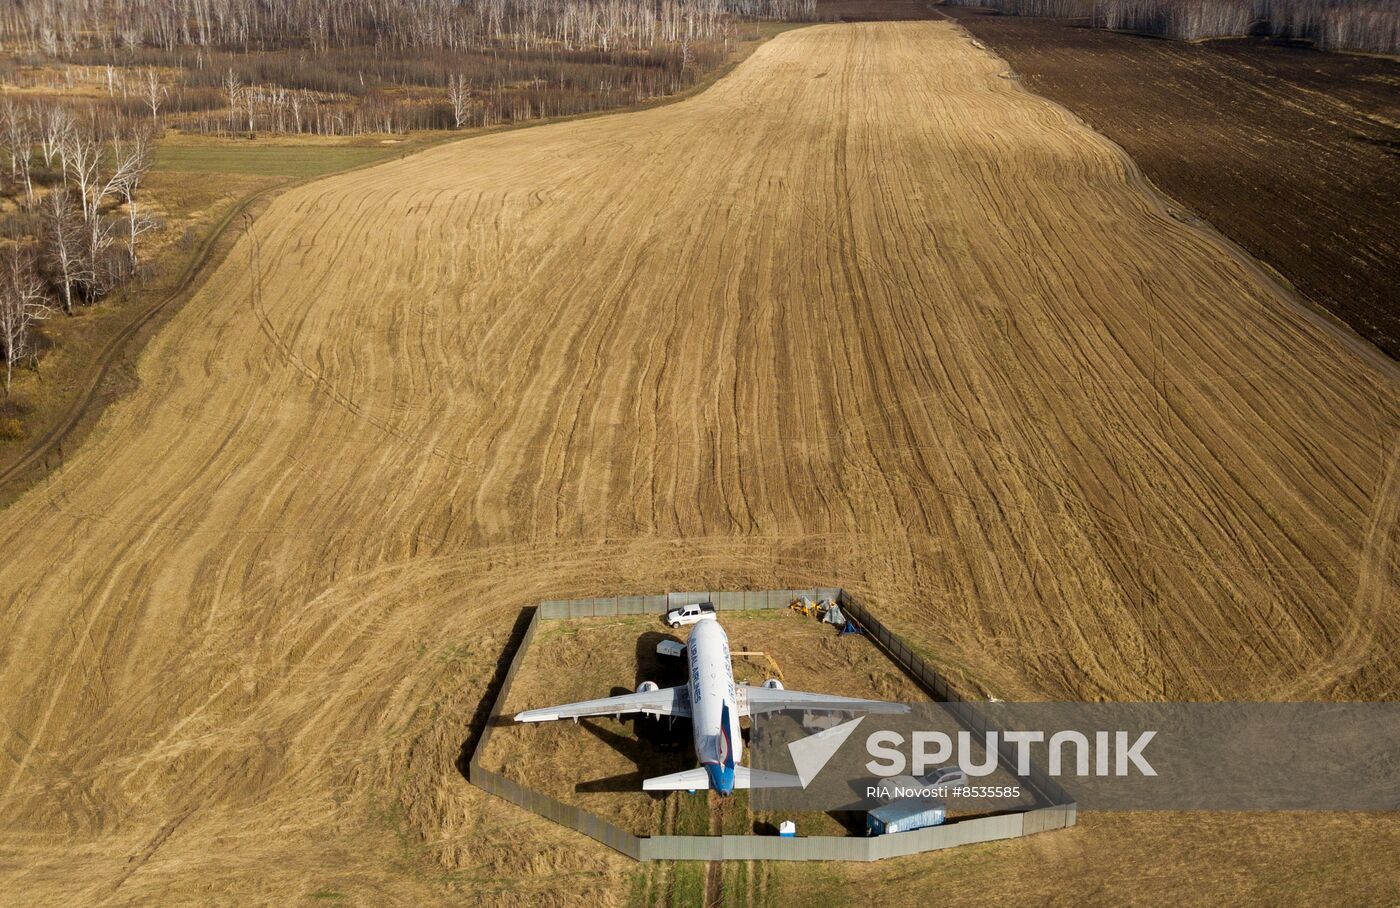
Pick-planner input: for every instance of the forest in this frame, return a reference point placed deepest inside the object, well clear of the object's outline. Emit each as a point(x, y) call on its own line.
point(346, 67)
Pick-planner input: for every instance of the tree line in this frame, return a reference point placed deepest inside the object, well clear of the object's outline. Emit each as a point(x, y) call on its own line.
point(74, 228)
point(53, 27)
point(1371, 26)
point(349, 67)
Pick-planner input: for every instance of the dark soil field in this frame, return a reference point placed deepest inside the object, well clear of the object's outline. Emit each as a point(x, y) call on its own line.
point(1292, 153)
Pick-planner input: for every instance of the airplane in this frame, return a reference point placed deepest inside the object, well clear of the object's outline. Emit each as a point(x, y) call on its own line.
point(714, 704)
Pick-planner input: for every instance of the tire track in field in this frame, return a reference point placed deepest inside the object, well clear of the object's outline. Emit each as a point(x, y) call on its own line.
point(862, 313)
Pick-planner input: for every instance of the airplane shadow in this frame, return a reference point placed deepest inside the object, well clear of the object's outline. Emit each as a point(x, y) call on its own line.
point(627, 783)
point(654, 747)
point(853, 821)
point(666, 671)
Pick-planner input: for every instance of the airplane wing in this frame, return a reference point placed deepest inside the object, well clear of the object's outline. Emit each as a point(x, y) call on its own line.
point(666, 701)
point(766, 700)
point(697, 779)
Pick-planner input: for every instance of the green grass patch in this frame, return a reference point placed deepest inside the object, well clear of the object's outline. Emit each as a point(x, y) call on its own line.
point(736, 884)
point(736, 819)
point(815, 884)
point(688, 884)
point(266, 159)
point(639, 894)
point(693, 813)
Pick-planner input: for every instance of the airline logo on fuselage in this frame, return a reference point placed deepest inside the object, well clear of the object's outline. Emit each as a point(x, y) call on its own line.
point(697, 690)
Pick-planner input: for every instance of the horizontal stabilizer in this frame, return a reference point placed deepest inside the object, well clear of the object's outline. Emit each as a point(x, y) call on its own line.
point(687, 780)
point(762, 778)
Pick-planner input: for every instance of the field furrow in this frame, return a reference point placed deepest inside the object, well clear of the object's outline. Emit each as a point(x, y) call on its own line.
point(864, 313)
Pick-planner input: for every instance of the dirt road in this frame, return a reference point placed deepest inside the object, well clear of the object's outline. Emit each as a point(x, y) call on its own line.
point(863, 313)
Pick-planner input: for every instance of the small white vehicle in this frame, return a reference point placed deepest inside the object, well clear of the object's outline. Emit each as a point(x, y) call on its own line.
point(690, 614)
point(945, 777)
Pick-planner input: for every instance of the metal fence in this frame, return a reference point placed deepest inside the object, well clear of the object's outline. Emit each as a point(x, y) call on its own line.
point(724, 601)
point(965, 710)
point(1060, 814)
point(831, 848)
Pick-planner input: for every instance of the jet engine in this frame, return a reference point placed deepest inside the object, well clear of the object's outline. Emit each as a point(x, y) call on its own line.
point(773, 684)
point(647, 687)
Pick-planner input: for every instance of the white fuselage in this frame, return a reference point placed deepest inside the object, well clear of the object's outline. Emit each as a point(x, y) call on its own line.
point(713, 704)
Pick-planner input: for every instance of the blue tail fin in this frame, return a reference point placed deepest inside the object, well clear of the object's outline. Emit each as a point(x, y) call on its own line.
point(728, 742)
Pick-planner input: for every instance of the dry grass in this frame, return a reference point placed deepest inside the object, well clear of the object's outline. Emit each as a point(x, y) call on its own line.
point(864, 313)
point(197, 181)
point(599, 764)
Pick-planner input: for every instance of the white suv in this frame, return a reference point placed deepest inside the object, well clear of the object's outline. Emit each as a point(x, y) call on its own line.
point(690, 614)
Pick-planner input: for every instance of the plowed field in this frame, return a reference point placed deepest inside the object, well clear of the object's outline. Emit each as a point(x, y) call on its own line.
point(865, 312)
point(1289, 151)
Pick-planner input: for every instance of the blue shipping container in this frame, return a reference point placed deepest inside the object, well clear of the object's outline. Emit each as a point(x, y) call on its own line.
point(904, 815)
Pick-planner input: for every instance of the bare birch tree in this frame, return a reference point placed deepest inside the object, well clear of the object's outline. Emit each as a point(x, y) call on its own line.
point(154, 92)
point(234, 90)
point(102, 172)
point(459, 96)
point(17, 124)
point(22, 305)
point(54, 126)
point(133, 160)
point(63, 240)
point(82, 162)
